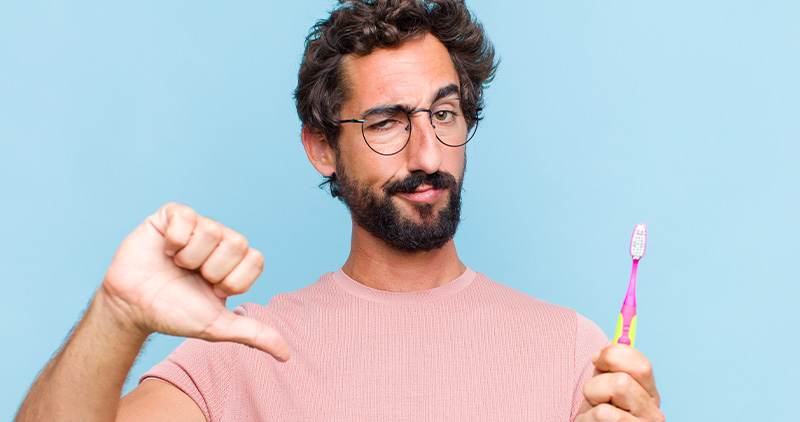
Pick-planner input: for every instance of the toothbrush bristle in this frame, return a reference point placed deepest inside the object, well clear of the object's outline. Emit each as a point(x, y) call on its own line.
point(638, 241)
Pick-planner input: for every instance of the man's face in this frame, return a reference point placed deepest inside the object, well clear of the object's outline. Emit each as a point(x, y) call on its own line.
point(410, 200)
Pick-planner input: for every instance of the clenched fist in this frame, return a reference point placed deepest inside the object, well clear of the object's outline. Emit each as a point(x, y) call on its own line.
point(623, 388)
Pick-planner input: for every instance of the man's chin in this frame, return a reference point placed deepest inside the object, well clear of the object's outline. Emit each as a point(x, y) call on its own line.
point(420, 213)
point(424, 222)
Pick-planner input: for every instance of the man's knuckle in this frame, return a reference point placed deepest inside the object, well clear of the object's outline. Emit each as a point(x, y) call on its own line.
point(645, 368)
point(622, 381)
point(172, 206)
point(209, 231)
point(214, 230)
point(238, 242)
point(183, 211)
point(256, 258)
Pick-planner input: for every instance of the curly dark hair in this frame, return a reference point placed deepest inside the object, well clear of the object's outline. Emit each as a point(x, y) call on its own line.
point(361, 26)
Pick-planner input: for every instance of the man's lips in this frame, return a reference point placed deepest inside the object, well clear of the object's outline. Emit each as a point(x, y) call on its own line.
point(423, 195)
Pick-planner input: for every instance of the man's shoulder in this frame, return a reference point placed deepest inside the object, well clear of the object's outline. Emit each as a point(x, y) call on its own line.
point(511, 296)
point(313, 294)
point(509, 299)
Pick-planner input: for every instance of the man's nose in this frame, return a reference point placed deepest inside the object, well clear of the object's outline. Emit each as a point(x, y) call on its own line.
point(424, 151)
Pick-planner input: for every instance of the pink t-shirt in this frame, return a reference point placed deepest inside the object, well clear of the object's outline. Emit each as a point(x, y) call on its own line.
point(471, 350)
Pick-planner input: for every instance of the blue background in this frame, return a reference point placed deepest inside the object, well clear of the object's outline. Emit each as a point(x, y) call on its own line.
point(683, 115)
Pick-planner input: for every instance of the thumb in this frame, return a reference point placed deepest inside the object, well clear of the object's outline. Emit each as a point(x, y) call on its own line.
point(231, 326)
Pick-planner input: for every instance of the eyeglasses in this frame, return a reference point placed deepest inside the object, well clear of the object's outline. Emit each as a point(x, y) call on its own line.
point(387, 130)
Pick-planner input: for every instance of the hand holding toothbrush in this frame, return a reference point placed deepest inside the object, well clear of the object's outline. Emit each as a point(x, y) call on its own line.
point(623, 387)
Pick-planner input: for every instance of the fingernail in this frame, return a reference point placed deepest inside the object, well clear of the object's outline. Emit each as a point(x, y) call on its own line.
point(169, 252)
point(595, 356)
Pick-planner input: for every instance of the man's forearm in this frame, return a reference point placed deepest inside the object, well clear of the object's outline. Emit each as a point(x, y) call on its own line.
point(83, 382)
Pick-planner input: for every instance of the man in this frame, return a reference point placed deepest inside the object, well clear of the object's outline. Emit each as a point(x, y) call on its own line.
point(389, 94)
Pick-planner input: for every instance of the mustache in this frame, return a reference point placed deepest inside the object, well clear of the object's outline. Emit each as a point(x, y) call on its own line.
point(438, 180)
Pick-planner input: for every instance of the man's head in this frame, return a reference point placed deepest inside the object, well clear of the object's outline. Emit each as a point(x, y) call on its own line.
point(359, 27)
point(408, 55)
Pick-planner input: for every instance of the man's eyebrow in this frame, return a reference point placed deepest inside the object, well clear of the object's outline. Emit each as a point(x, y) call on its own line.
point(444, 92)
point(441, 93)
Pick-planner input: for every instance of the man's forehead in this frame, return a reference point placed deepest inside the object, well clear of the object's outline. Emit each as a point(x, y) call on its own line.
point(410, 74)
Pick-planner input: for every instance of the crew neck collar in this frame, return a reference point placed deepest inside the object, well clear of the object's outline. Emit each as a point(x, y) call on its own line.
point(375, 295)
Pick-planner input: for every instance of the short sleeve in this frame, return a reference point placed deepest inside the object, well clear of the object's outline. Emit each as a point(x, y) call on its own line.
point(200, 369)
point(589, 338)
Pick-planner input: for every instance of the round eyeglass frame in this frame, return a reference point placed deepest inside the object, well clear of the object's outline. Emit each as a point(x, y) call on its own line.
point(475, 112)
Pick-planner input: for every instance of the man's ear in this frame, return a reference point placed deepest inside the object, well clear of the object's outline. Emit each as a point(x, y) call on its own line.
point(319, 151)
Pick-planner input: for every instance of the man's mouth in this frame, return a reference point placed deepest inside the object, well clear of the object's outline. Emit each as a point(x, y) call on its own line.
point(424, 194)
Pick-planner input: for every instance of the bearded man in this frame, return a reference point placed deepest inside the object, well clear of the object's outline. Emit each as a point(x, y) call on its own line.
point(389, 94)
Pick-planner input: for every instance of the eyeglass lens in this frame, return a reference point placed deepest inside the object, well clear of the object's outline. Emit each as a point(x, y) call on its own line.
point(387, 130)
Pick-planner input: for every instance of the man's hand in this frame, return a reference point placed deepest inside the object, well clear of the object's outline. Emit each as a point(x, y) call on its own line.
point(623, 388)
point(173, 273)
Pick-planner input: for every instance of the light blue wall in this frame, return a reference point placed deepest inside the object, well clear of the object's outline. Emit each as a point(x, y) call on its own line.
point(684, 115)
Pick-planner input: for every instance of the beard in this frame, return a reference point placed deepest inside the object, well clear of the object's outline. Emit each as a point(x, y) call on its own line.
point(376, 213)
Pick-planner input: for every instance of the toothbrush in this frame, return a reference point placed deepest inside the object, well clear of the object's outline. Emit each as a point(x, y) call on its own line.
point(626, 324)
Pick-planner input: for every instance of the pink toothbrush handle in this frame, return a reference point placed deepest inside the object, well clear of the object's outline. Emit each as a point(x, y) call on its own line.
point(626, 324)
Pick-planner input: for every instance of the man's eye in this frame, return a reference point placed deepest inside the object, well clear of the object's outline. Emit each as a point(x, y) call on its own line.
point(443, 116)
point(385, 124)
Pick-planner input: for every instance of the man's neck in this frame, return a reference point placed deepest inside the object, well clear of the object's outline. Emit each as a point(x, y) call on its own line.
point(375, 264)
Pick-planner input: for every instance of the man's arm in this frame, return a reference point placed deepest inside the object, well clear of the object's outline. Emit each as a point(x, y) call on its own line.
point(88, 372)
point(170, 275)
point(86, 378)
point(158, 401)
